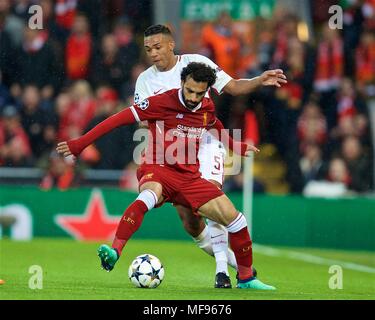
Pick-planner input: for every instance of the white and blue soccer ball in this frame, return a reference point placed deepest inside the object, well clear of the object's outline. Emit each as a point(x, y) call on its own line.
point(146, 271)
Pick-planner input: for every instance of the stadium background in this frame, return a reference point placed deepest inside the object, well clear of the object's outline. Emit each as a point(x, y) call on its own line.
point(314, 177)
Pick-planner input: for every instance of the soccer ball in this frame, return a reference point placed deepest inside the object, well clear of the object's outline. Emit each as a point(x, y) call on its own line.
point(146, 271)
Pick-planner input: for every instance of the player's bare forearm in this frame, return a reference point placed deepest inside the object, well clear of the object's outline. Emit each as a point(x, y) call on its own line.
point(237, 87)
point(76, 146)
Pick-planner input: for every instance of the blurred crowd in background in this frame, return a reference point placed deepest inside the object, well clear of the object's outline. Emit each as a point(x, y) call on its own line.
point(57, 83)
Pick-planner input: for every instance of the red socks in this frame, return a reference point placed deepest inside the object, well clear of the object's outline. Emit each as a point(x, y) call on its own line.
point(129, 223)
point(241, 245)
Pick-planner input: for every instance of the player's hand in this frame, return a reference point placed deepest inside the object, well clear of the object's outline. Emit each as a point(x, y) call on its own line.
point(273, 78)
point(63, 149)
point(250, 148)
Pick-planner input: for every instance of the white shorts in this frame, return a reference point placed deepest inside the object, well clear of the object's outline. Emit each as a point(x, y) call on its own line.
point(211, 156)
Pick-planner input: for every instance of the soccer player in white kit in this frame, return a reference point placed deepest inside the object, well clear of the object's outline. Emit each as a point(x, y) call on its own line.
point(165, 74)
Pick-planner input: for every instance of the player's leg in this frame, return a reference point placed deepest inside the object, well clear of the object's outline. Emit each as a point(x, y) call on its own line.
point(206, 236)
point(222, 210)
point(150, 195)
point(223, 254)
point(219, 241)
point(211, 165)
point(193, 224)
point(196, 227)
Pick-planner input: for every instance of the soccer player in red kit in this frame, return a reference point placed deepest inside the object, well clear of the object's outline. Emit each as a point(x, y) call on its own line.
point(177, 119)
point(165, 74)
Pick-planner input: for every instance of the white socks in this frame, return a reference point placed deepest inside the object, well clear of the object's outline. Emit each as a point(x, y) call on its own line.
point(219, 241)
point(214, 241)
point(149, 198)
point(237, 224)
point(203, 241)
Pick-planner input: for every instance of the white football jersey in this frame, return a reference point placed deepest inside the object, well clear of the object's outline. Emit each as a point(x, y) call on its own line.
point(152, 82)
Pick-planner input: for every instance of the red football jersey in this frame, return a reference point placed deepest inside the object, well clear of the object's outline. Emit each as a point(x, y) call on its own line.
point(174, 130)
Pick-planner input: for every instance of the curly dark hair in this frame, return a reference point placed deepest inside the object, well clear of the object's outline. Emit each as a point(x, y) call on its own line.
point(156, 29)
point(199, 72)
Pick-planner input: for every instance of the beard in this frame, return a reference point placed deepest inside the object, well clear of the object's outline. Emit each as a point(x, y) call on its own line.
point(189, 104)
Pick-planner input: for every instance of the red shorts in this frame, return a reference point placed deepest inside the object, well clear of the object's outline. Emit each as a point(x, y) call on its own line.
point(189, 190)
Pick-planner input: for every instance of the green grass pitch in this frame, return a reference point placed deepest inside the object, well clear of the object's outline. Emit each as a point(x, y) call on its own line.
point(71, 271)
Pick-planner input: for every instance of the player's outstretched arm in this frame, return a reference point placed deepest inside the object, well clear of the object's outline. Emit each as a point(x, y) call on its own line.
point(275, 78)
point(76, 146)
point(241, 148)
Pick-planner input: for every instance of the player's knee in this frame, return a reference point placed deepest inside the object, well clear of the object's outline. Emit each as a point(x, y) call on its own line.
point(155, 187)
point(193, 224)
point(215, 225)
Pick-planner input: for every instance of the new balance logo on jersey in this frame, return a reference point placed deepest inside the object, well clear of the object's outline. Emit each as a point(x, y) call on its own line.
point(179, 116)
